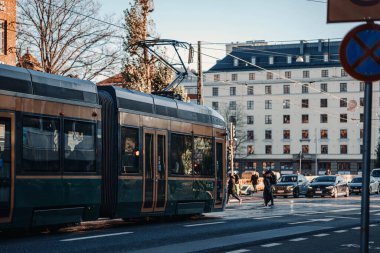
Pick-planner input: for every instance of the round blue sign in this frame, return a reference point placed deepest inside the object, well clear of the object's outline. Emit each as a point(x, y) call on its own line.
point(360, 52)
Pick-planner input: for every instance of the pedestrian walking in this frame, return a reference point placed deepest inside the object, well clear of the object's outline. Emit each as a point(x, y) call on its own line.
point(268, 194)
point(232, 189)
point(237, 184)
point(254, 181)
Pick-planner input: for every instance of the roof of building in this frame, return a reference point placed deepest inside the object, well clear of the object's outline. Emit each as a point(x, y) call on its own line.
point(280, 54)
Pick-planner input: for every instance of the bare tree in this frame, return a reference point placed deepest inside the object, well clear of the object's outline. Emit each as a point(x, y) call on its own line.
point(142, 71)
point(66, 38)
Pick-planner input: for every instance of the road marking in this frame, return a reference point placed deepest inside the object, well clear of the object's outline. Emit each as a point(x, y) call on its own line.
point(310, 221)
point(95, 236)
point(356, 228)
point(341, 231)
point(238, 251)
point(204, 224)
point(270, 245)
point(377, 214)
point(342, 217)
point(267, 217)
point(321, 235)
point(373, 225)
point(298, 239)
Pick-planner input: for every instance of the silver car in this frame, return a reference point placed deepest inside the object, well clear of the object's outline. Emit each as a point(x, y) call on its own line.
point(356, 185)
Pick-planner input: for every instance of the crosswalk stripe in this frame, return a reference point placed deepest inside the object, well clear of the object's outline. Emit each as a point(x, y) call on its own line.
point(321, 235)
point(238, 251)
point(271, 245)
point(298, 239)
point(341, 231)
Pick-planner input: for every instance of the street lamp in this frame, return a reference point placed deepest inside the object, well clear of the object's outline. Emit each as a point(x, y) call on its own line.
point(300, 154)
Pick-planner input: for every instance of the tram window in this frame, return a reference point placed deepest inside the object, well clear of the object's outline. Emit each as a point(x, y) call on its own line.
point(130, 152)
point(203, 156)
point(40, 144)
point(79, 146)
point(181, 155)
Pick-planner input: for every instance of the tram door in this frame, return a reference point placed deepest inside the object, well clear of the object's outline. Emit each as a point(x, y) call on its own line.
point(155, 171)
point(6, 167)
point(220, 165)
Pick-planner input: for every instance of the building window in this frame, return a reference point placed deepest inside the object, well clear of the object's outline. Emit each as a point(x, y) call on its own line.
point(361, 102)
point(250, 105)
point(288, 74)
point(216, 78)
point(323, 87)
point(253, 60)
point(361, 117)
point(343, 73)
point(215, 91)
point(232, 105)
point(269, 75)
point(215, 105)
point(268, 89)
point(286, 104)
point(305, 88)
point(268, 149)
point(232, 91)
point(305, 134)
point(361, 133)
point(362, 85)
point(289, 59)
point(361, 149)
point(343, 118)
point(286, 149)
point(2, 37)
point(324, 149)
point(250, 90)
point(343, 133)
point(286, 119)
point(234, 77)
point(323, 118)
point(326, 57)
point(344, 166)
point(268, 134)
point(325, 73)
point(305, 103)
point(236, 62)
point(307, 58)
point(323, 102)
point(268, 104)
point(324, 134)
point(232, 119)
point(271, 60)
point(286, 89)
point(250, 120)
point(305, 118)
point(305, 149)
point(286, 134)
point(268, 119)
point(343, 149)
point(343, 87)
point(250, 135)
point(252, 76)
point(343, 102)
point(306, 74)
point(250, 150)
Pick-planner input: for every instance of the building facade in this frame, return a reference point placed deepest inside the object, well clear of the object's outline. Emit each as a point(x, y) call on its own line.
point(8, 32)
point(294, 107)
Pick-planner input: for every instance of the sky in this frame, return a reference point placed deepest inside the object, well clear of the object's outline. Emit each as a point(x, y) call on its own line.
point(225, 21)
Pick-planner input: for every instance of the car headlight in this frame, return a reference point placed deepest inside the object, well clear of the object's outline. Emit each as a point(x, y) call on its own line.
point(330, 187)
point(290, 187)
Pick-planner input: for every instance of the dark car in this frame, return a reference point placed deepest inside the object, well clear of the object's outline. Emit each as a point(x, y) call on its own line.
point(332, 186)
point(291, 185)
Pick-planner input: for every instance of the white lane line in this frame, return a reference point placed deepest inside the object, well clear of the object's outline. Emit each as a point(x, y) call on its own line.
point(321, 235)
point(204, 224)
point(373, 225)
point(343, 217)
point(298, 239)
point(95, 236)
point(377, 214)
point(238, 251)
point(356, 228)
point(267, 217)
point(341, 231)
point(270, 245)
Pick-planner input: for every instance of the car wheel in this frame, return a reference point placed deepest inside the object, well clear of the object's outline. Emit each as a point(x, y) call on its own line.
point(296, 193)
point(285, 196)
point(335, 195)
point(378, 190)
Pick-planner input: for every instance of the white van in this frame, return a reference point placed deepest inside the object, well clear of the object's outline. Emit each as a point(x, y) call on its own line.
point(376, 174)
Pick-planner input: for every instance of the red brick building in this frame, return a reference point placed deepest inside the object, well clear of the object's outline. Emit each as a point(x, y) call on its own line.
point(8, 32)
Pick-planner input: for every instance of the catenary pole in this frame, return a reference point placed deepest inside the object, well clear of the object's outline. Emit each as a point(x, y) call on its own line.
point(200, 75)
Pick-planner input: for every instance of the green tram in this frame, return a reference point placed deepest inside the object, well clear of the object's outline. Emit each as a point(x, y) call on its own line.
point(71, 151)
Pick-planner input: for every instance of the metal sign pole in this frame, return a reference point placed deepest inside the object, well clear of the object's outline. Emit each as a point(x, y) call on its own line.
point(364, 232)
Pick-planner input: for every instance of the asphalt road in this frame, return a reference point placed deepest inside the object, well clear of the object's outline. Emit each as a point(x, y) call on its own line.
point(320, 224)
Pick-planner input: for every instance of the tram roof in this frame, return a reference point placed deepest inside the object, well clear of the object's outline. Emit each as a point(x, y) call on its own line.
point(153, 104)
point(27, 81)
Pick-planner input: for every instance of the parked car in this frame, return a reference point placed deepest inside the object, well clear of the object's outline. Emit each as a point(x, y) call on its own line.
point(376, 174)
point(357, 182)
point(291, 185)
point(333, 186)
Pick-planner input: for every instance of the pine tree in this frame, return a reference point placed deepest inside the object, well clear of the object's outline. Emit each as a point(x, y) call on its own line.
point(142, 72)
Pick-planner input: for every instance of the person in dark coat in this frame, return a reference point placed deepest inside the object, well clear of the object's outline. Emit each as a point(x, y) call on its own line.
point(232, 190)
point(254, 181)
point(268, 195)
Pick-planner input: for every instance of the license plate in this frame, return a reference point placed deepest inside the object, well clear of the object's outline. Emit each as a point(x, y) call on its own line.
point(318, 191)
point(280, 191)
